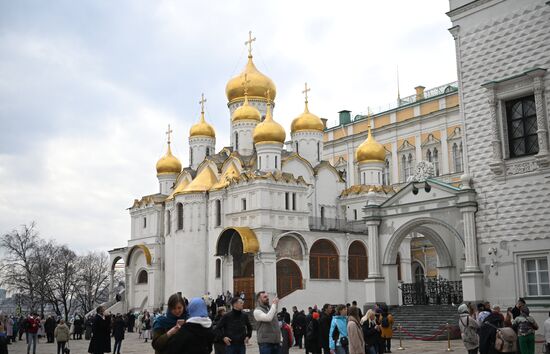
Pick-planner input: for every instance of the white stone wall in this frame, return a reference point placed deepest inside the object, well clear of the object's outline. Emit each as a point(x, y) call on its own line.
point(244, 129)
point(309, 145)
point(199, 146)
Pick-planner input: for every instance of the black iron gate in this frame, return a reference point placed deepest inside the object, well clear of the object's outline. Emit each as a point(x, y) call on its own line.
point(436, 291)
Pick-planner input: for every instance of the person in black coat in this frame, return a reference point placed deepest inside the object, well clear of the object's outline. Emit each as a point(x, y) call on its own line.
point(284, 316)
point(49, 328)
point(299, 327)
point(324, 327)
point(101, 333)
point(371, 333)
point(234, 329)
point(131, 322)
point(313, 337)
point(119, 328)
point(487, 333)
point(195, 336)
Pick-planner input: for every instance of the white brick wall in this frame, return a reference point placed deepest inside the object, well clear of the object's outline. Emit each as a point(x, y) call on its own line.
point(506, 40)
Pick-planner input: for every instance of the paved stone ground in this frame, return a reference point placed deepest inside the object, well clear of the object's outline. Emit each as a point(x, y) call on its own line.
point(133, 345)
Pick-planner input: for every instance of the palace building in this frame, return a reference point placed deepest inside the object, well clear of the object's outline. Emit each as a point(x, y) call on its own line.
point(364, 209)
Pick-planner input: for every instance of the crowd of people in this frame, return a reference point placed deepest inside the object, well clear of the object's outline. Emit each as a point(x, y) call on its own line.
point(486, 330)
point(204, 325)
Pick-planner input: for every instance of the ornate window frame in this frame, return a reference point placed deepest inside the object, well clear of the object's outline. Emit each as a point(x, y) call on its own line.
point(498, 93)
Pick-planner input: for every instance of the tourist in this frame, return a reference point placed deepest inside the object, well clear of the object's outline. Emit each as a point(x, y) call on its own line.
point(89, 323)
point(22, 326)
point(195, 335)
point(146, 326)
point(15, 329)
point(167, 325)
point(525, 327)
point(354, 303)
point(284, 316)
point(49, 327)
point(9, 328)
point(546, 327)
point(3, 339)
point(78, 324)
point(61, 335)
point(324, 327)
point(488, 325)
point(219, 345)
point(355, 332)
point(313, 336)
point(468, 329)
point(508, 318)
point(235, 329)
point(286, 337)
point(119, 327)
point(338, 335)
point(101, 332)
point(32, 326)
point(131, 321)
point(371, 332)
point(299, 327)
point(386, 332)
point(268, 332)
point(516, 311)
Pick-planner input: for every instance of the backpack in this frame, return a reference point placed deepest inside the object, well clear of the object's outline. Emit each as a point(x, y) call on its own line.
point(470, 335)
point(310, 335)
point(525, 327)
point(506, 340)
point(385, 322)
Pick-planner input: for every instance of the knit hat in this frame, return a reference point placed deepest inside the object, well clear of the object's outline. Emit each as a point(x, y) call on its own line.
point(463, 308)
point(197, 308)
point(315, 315)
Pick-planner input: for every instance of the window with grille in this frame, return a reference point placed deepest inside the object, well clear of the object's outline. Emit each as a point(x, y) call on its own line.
point(357, 261)
point(536, 277)
point(323, 261)
point(521, 117)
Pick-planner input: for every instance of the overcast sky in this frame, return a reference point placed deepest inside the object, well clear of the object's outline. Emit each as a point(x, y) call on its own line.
point(87, 89)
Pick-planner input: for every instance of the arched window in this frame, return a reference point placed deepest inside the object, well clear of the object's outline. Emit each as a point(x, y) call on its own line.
point(386, 177)
point(191, 156)
point(218, 268)
point(429, 155)
point(168, 222)
point(410, 165)
point(180, 216)
point(418, 272)
point(323, 261)
point(297, 151)
point(236, 140)
point(318, 151)
point(207, 151)
point(259, 162)
point(218, 212)
point(435, 161)
point(142, 277)
point(357, 261)
point(404, 167)
point(276, 162)
point(323, 215)
point(289, 277)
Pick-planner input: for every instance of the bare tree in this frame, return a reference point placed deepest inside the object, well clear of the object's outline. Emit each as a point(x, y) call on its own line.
point(45, 267)
point(93, 278)
point(18, 266)
point(63, 281)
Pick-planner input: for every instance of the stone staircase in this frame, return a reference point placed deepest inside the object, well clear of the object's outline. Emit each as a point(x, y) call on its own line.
point(426, 320)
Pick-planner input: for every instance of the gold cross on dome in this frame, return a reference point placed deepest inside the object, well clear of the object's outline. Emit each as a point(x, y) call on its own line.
point(202, 101)
point(249, 43)
point(168, 132)
point(245, 84)
point(306, 90)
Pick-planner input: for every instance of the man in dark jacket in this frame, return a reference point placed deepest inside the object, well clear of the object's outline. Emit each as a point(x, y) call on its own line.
point(101, 333)
point(49, 327)
point(284, 316)
point(324, 327)
point(299, 327)
point(234, 328)
point(131, 322)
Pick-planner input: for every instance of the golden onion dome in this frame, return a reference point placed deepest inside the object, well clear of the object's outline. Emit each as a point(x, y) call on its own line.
point(307, 121)
point(370, 150)
point(269, 130)
point(168, 164)
point(258, 84)
point(246, 112)
point(202, 128)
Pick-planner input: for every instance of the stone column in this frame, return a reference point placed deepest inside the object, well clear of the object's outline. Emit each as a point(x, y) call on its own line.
point(111, 285)
point(496, 163)
point(542, 131)
point(374, 249)
point(470, 239)
point(444, 158)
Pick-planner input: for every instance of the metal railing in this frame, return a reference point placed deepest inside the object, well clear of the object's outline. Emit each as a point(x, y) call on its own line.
point(331, 224)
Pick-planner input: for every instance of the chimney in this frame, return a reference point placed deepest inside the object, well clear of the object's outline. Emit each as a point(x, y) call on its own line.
point(419, 92)
point(324, 120)
point(345, 117)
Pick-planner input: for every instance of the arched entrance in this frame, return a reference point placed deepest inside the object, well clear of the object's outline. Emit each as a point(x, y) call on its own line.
point(289, 277)
point(240, 243)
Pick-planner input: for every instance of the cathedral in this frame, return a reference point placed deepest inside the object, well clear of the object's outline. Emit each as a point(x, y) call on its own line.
point(365, 209)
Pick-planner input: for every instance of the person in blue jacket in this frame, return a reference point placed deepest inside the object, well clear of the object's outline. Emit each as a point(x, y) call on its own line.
point(338, 342)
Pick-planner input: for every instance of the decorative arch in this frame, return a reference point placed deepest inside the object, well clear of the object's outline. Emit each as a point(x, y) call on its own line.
point(115, 261)
point(289, 277)
point(324, 260)
point(298, 236)
point(248, 238)
point(142, 277)
point(421, 225)
point(357, 261)
point(145, 250)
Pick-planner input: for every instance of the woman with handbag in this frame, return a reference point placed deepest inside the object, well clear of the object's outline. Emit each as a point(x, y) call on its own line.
point(61, 334)
point(338, 334)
